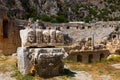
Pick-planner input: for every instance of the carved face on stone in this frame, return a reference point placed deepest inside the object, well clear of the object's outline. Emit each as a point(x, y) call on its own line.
point(46, 36)
point(59, 37)
point(31, 37)
point(52, 36)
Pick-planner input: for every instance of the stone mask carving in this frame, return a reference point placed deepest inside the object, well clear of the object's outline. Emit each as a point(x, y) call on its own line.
point(53, 36)
point(59, 37)
point(31, 37)
point(46, 36)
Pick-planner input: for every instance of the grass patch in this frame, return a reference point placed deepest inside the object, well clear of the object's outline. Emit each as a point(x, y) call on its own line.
point(18, 76)
point(97, 68)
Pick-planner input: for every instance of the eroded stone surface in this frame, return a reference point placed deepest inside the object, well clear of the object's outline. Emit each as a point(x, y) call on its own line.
point(34, 59)
point(30, 36)
point(47, 61)
point(23, 60)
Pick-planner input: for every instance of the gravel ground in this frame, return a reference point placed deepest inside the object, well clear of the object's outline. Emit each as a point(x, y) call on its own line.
point(82, 75)
point(6, 76)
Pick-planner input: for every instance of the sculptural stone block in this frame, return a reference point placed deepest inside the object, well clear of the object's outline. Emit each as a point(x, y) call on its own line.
point(43, 61)
point(31, 36)
point(59, 37)
point(47, 61)
point(39, 36)
point(52, 36)
point(46, 36)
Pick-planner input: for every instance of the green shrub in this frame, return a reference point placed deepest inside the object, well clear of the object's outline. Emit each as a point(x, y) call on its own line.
point(114, 58)
point(92, 11)
point(46, 18)
point(61, 19)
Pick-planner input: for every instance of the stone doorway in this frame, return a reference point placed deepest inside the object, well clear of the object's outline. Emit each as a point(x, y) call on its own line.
point(90, 58)
point(5, 28)
point(79, 58)
point(101, 56)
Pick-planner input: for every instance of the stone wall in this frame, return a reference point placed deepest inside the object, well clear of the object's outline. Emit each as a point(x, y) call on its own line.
point(77, 31)
point(88, 56)
point(9, 34)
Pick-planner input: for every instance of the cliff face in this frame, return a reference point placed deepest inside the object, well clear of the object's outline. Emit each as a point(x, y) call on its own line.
point(73, 10)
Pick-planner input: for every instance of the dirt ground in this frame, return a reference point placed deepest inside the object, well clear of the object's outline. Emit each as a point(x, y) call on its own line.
point(106, 70)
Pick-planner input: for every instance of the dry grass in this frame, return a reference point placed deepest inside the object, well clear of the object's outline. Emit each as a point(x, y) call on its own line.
point(8, 63)
point(97, 69)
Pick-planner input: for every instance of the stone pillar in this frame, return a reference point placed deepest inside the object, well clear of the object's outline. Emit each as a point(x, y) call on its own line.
point(23, 60)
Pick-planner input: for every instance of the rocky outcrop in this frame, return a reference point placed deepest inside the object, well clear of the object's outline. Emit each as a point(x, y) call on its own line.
point(73, 10)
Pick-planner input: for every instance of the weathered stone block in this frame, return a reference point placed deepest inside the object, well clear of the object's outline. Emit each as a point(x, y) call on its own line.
point(39, 36)
point(46, 61)
point(36, 37)
point(23, 60)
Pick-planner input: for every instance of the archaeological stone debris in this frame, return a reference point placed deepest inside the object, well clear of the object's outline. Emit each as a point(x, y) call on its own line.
point(38, 53)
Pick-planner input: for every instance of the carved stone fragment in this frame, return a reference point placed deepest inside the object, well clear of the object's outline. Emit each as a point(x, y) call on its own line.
point(31, 36)
point(39, 36)
point(46, 36)
point(59, 37)
point(52, 36)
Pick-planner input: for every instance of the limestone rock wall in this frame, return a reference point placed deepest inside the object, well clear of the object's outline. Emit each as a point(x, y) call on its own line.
point(73, 10)
point(88, 56)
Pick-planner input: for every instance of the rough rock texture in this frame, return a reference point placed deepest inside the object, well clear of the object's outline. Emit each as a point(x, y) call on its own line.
point(35, 35)
point(28, 37)
point(47, 61)
point(99, 31)
point(23, 60)
point(33, 58)
point(9, 34)
point(86, 10)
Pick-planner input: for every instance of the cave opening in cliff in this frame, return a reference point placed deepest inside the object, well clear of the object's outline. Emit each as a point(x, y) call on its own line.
point(5, 28)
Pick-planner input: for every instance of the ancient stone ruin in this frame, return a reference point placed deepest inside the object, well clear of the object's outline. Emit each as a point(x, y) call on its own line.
point(38, 54)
